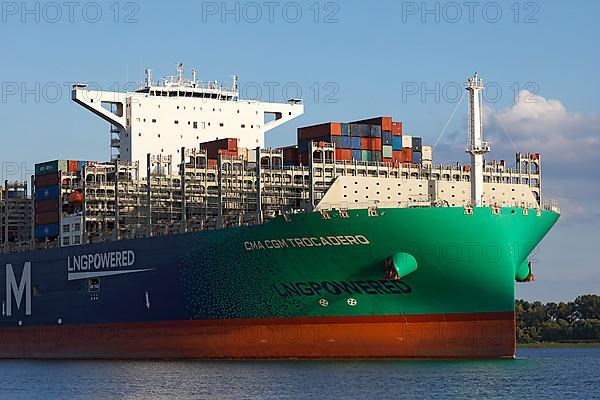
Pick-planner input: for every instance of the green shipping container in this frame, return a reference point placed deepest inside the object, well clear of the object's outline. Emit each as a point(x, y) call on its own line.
point(50, 167)
point(366, 155)
point(387, 151)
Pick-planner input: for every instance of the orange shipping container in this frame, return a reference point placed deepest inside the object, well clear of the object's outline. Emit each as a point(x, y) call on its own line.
point(375, 144)
point(212, 164)
point(397, 155)
point(364, 143)
point(72, 165)
point(343, 154)
point(397, 128)
point(407, 155)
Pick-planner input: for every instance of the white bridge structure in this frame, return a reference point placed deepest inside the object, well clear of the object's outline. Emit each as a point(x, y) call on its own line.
point(163, 116)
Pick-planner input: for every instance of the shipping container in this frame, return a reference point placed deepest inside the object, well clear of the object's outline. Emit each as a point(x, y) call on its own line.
point(427, 153)
point(47, 218)
point(417, 157)
point(375, 131)
point(467, 168)
point(211, 163)
point(417, 144)
point(376, 156)
point(345, 129)
point(397, 155)
point(384, 122)
point(337, 141)
point(343, 154)
point(46, 205)
point(376, 144)
point(47, 180)
point(212, 148)
point(366, 155)
point(72, 165)
point(406, 141)
point(397, 142)
point(47, 192)
point(346, 143)
point(387, 151)
point(357, 155)
point(303, 158)
point(386, 138)
point(46, 231)
point(355, 143)
point(303, 146)
point(290, 154)
point(81, 165)
point(388, 160)
point(364, 143)
point(397, 128)
point(51, 167)
point(320, 131)
point(407, 155)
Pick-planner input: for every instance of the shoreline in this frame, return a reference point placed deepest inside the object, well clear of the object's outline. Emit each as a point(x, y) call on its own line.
point(557, 344)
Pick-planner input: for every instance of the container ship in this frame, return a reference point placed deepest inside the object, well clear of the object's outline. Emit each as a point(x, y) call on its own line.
point(196, 241)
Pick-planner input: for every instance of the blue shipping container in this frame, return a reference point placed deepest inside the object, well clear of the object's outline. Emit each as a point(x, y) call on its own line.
point(345, 130)
point(356, 154)
point(337, 141)
point(355, 143)
point(365, 130)
point(46, 231)
point(81, 164)
point(386, 137)
point(417, 157)
point(397, 143)
point(346, 142)
point(48, 192)
point(354, 130)
point(375, 131)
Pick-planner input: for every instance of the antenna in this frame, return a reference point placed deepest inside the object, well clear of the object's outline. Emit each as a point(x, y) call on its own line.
point(180, 74)
point(194, 76)
point(475, 144)
point(148, 77)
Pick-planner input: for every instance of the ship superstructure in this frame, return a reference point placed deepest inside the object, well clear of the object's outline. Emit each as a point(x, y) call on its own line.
point(163, 116)
point(348, 240)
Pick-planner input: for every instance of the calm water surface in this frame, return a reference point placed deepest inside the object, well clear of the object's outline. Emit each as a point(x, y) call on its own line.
point(554, 373)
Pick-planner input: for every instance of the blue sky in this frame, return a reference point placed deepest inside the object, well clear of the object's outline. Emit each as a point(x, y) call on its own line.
point(404, 59)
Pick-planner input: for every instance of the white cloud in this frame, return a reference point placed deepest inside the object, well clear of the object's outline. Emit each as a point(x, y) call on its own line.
point(537, 124)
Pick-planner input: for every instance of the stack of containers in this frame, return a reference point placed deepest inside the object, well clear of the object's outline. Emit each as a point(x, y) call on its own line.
point(330, 132)
point(224, 147)
point(47, 196)
point(376, 139)
point(290, 155)
point(417, 150)
point(407, 149)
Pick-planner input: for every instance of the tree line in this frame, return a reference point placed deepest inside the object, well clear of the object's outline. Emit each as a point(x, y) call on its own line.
point(578, 320)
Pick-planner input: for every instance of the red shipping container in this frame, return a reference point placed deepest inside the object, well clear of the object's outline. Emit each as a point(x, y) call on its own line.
point(397, 155)
point(45, 218)
point(343, 154)
point(290, 154)
point(72, 165)
point(212, 148)
point(303, 158)
point(46, 205)
point(227, 153)
point(365, 143)
point(388, 160)
point(211, 164)
point(375, 144)
point(47, 180)
point(321, 130)
point(407, 155)
point(397, 128)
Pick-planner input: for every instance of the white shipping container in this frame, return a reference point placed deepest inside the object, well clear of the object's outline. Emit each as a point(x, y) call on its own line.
point(406, 141)
point(427, 153)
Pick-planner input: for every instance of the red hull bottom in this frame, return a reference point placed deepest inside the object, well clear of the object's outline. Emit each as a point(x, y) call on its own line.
point(482, 335)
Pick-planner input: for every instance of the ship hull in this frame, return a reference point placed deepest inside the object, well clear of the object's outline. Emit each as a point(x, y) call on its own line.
point(485, 335)
point(305, 286)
